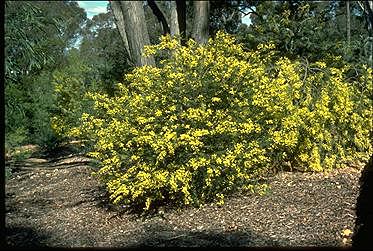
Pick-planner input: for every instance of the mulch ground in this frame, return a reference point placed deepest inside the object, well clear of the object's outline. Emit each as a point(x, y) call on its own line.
point(56, 202)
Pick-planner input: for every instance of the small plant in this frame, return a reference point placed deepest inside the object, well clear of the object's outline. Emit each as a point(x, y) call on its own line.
point(13, 141)
point(8, 172)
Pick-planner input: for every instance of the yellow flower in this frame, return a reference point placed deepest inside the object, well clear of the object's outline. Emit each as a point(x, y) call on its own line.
point(346, 232)
point(167, 120)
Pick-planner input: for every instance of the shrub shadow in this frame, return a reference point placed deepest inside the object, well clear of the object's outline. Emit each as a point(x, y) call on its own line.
point(24, 237)
point(163, 235)
point(364, 209)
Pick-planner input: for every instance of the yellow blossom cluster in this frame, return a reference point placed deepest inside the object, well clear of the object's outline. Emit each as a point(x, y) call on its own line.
point(213, 117)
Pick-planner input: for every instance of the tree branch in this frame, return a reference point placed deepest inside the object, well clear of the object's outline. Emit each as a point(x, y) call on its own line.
point(158, 13)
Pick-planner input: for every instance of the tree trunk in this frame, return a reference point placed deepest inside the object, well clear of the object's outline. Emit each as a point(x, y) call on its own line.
point(348, 24)
point(369, 10)
point(174, 22)
point(160, 16)
point(133, 30)
point(137, 31)
point(181, 19)
point(177, 18)
point(367, 7)
point(119, 21)
point(200, 31)
point(130, 20)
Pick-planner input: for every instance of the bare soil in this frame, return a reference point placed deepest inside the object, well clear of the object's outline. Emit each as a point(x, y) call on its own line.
point(54, 201)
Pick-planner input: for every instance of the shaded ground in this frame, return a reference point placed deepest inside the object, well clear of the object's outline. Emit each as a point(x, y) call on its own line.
point(54, 201)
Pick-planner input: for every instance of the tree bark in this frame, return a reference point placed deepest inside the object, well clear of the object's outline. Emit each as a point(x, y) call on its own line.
point(367, 7)
point(133, 30)
point(200, 32)
point(181, 19)
point(160, 16)
point(136, 30)
point(119, 21)
point(174, 22)
point(130, 20)
point(348, 24)
point(369, 12)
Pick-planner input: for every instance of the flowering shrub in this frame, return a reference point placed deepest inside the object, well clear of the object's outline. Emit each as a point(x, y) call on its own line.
point(335, 118)
point(214, 117)
point(70, 84)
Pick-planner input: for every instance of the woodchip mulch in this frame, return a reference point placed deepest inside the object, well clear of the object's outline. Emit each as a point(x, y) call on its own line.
point(57, 203)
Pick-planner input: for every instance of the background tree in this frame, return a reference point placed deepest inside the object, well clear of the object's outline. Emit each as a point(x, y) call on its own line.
point(200, 25)
point(23, 52)
point(134, 28)
point(160, 16)
point(34, 52)
point(178, 15)
point(226, 15)
point(119, 20)
point(309, 29)
point(103, 49)
point(36, 37)
point(367, 8)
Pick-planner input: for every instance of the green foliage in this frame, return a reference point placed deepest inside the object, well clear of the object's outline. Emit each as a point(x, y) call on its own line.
point(309, 29)
point(22, 52)
point(32, 51)
point(14, 110)
point(103, 50)
point(70, 84)
point(15, 138)
point(8, 173)
point(225, 15)
point(43, 106)
point(51, 27)
point(29, 106)
point(214, 118)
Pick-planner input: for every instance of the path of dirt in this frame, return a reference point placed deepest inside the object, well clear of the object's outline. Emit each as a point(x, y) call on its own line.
point(57, 203)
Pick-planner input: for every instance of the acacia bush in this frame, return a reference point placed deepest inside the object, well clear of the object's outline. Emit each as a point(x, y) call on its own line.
point(213, 118)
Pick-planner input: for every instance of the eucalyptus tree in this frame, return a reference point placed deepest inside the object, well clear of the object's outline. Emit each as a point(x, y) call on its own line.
point(309, 29)
point(102, 49)
point(132, 27)
point(37, 34)
point(130, 20)
point(22, 48)
point(367, 7)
